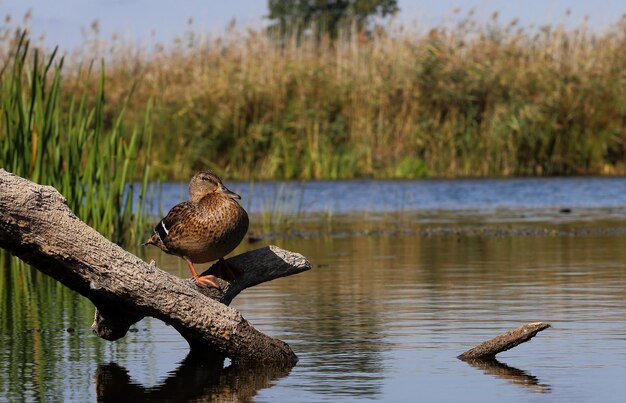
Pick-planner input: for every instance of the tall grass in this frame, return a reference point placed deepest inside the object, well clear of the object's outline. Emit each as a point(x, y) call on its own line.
point(463, 99)
point(470, 99)
point(69, 142)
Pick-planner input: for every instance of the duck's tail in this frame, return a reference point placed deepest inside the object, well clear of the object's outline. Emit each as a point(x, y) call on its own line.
point(154, 240)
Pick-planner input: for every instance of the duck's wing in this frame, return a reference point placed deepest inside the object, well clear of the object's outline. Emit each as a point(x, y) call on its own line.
point(174, 220)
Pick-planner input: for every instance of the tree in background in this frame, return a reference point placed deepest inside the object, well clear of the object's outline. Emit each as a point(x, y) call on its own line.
point(325, 17)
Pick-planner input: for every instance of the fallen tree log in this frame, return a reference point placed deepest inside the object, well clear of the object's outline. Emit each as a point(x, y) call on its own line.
point(37, 226)
point(506, 341)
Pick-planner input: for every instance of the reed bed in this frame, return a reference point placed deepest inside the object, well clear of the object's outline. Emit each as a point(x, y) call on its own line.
point(469, 99)
point(68, 140)
point(466, 99)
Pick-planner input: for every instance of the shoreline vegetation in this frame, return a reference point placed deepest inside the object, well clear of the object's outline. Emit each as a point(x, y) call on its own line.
point(464, 100)
point(63, 140)
point(468, 100)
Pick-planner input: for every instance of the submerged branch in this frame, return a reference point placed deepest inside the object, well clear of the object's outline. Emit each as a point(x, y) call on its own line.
point(506, 341)
point(37, 226)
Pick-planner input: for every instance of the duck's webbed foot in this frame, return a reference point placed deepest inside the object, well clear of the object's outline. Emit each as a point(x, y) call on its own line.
point(202, 280)
point(206, 280)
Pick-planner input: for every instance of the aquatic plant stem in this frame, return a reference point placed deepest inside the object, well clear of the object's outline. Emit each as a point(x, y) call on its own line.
point(37, 226)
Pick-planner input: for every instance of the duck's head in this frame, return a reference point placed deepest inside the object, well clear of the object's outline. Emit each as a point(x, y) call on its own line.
point(206, 182)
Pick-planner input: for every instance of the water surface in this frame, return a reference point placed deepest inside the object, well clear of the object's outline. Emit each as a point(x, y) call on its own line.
point(381, 316)
point(504, 199)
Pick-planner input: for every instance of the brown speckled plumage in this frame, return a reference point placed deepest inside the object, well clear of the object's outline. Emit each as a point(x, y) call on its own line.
point(205, 228)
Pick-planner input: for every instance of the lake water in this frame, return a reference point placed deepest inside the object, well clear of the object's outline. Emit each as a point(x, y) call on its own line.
point(391, 301)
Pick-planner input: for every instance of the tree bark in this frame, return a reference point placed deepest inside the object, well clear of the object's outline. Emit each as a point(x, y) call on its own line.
point(37, 226)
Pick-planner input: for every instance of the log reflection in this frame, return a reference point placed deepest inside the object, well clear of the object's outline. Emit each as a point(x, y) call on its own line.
point(196, 378)
point(491, 366)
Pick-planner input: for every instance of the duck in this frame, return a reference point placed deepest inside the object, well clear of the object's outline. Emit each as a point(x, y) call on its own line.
point(205, 228)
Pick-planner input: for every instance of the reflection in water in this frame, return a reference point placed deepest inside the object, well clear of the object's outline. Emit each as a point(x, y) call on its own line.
point(492, 366)
point(38, 356)
point(376, 308)
point(197, 377)
point(377, 318)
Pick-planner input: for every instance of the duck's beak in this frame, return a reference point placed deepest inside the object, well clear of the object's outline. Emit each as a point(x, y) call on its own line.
point(228, 193)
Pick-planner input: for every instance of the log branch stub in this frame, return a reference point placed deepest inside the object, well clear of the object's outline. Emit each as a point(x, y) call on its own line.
point(37, 226)
point(503, 342)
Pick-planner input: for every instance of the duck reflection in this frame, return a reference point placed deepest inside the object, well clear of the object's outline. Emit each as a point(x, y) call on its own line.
point(198, 378)
point(492, 366)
